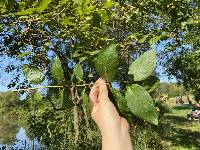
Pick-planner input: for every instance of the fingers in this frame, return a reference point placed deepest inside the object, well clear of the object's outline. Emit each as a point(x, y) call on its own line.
point(103, 90)
point(99, 92)
point(93, 96)
point(94, 93)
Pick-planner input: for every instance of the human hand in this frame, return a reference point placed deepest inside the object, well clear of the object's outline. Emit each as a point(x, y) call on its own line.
point(114, 129)
point(103, 111)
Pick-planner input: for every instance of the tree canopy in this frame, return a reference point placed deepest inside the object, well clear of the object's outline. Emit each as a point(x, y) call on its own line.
point(65, 45)
point(186, 70)
point(76, 30)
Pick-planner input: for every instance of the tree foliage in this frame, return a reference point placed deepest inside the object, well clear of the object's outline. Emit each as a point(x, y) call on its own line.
point(186, 70)
point(9, 102)
point(73, 42)
point(170, 89)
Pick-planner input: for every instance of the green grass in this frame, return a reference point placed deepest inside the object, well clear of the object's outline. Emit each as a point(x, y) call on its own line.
point(181, 134)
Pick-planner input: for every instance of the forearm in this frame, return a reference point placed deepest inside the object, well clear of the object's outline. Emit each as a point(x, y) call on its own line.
point(114, 129)
point(116, 141)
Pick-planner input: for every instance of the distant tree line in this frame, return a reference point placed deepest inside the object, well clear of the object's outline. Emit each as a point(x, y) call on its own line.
point(171, 89)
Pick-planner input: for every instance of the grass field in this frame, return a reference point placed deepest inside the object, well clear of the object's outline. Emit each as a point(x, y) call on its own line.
point(181, 134)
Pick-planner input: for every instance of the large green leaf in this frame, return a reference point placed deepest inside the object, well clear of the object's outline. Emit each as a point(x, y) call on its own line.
point(141, 104)
point(78, 72)
point(107, 62)
point(144, 66)
point(33, 74)
point(56, 70)
point(121, 102)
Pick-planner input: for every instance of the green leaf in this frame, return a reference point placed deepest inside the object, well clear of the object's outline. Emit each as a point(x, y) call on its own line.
point(107, 62)
point(121, 102)
point(25, 12)
point(56, 70)
point(144, 66)
point(38, 100)
point(133, 36)
point(81, 59)
point(67, 22)
point(108, 4)
point(41, 7)
point(154, 40)
point(78, 72)
point(92, 52)
point(143, 39)
point(23, 54)
point(37, 96)
point(76, 54)
point(46, 44)
point(85, 100)
point(90, 9)
point(77, 1)
point(141, 104)
point(62, 2)
point(32, 74)
point(105, 17)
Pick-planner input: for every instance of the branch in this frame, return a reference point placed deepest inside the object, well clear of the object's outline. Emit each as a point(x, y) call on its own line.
point(35, 88)
point(60, 86)
point(43, 87)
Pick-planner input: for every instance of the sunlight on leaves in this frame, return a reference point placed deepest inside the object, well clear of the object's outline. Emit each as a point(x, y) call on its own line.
point(32, 74)
point(144, 66)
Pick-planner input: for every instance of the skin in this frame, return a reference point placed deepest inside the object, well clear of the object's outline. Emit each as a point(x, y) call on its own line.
point(114, 128)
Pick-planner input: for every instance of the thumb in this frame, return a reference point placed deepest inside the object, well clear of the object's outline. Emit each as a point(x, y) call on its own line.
point(103, 90)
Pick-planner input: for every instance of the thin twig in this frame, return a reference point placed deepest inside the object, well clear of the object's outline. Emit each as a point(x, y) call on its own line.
point(43, 87)
point(35, 88)
point(57, 86)
point(57, 14)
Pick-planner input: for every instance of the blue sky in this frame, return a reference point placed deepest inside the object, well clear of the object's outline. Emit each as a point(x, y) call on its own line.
point(5, 78)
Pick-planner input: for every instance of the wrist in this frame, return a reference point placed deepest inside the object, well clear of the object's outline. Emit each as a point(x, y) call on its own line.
point(117, 140)
point(111, 142)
